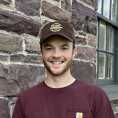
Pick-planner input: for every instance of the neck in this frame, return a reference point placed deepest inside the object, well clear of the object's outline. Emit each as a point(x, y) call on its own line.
point(60, 81)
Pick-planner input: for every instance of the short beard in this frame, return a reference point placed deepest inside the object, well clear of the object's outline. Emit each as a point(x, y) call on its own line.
point(66, 68)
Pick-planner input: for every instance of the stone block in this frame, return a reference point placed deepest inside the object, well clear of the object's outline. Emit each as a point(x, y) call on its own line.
point(29, 7)
point(84, 71)
point(81, 40)
point(4, 71)
point(53, 2)
point(15, 78)
point(4, 57)
point(8, 88)
point(31, 43)
point(25, 76)
point(54, 12)
point(86, 53)
point(84, 18)
point(91, 40)
point(5, 2)
point(4, 111)
point(67, 5)
point(18, 22)
point(64, 4)
point(7, 5)
point(10, 42)
point(27, 58)
point(92, 3)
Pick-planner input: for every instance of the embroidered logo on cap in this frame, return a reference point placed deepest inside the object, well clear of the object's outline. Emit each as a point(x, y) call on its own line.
point(56, 27)
point(79, 115)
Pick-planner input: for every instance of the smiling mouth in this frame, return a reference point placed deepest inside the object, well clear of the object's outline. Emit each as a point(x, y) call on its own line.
point(56, 62)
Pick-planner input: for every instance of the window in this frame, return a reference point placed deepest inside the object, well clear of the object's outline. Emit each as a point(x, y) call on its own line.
point(107, 53)
point(109, 9)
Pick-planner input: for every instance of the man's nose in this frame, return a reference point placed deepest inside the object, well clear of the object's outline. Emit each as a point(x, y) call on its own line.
point(57, 53)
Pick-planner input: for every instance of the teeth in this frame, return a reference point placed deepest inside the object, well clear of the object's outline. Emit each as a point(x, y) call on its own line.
point(57, 62)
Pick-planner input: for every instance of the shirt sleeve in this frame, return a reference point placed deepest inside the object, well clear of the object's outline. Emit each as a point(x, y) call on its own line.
point(102, 106)
point(18, 110)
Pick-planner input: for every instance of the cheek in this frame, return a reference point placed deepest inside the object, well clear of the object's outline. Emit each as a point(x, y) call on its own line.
point(68, 55)
point(45, 55)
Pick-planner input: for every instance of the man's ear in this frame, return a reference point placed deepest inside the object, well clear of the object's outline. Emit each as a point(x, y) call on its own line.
point(74, 52)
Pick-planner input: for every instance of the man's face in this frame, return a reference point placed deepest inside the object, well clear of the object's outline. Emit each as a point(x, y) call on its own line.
point(57, 54)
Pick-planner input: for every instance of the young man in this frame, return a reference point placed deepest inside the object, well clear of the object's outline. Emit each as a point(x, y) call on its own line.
point(60, 95)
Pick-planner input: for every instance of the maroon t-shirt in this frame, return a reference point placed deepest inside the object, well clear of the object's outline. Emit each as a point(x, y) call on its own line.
point(79, 100)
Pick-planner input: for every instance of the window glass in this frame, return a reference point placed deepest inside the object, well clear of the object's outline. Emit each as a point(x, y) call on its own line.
point(105, 66)
point(99, 6)
point(114, 10)
point(106, 8)
point(110, 39)
point(101, 65)
point(102, 36)
point(109, 63)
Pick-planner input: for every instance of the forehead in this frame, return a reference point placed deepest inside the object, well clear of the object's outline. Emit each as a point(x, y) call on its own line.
point(57, 39)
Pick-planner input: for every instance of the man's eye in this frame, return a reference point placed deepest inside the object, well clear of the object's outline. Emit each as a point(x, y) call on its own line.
point(64, 48)
point(48, 48)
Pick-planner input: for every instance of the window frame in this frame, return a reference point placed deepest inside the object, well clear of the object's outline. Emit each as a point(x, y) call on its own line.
point(114, 24)
point(114, 67)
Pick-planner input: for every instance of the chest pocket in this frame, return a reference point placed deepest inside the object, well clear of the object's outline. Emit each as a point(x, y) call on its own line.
point(76, 112)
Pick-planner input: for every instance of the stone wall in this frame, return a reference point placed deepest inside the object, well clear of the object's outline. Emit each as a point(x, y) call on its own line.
point(20, 59)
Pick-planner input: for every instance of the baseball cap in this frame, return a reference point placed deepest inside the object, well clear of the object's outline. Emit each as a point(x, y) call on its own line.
point(58, 28)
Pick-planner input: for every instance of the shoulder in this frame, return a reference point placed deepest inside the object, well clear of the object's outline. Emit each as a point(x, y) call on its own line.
point(91, 89)
point(97, 97)
point(31, 92)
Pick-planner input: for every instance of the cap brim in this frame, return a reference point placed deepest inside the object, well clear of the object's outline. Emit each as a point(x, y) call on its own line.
point(51, 35)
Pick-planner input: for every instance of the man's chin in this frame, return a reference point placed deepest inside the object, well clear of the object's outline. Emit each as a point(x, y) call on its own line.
point(56, 73)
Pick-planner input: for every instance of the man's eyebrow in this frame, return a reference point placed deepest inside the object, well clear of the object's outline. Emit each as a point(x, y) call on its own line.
point(65, 44)
point(47, 44)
